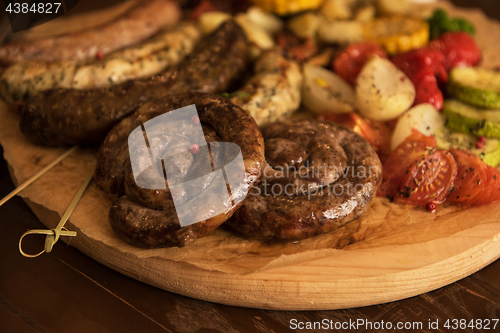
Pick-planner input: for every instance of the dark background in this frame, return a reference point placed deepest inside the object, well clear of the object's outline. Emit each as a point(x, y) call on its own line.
point(66, 291)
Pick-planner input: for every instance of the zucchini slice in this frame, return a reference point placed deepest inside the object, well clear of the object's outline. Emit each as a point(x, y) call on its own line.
point(465, 118)
point(489, 153)
point(476, 86)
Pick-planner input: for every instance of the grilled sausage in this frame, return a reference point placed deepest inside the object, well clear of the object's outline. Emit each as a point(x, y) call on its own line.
point(28, 78)
point(139, 23)
point(320, 177)
point(274, 91)
point(147, 217)
point(72, 117)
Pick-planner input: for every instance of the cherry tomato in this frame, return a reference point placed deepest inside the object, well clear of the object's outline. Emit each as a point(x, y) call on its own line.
point(476, 183)
point(377, 133)
point(458, 48)
point(418, 173)
point(349, 62)
point(423, 66)
point(421, 62)
point(427, 91)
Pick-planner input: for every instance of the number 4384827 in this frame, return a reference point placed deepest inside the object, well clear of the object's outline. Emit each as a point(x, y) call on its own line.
point(480, 324)
point(40, 8)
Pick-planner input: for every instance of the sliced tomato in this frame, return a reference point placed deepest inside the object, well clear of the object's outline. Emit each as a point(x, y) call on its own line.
point(458, 48)
point(412, 149)
point(492, 192)
point(351, 60)
point(416, 172)
point(377, 133)
point(476, 183)
point(430, 179)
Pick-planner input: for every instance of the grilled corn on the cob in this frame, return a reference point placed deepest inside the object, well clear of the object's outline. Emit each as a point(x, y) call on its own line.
point(287, 7)
point(398, 34)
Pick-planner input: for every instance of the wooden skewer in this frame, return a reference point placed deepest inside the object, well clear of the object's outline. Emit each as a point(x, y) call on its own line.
point(52, 236)
point(36, 176)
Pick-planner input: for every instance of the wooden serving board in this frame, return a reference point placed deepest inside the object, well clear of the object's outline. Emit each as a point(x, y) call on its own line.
point(391, 252)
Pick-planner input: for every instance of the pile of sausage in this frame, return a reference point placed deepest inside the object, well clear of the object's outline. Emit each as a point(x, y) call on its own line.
point(301, 178)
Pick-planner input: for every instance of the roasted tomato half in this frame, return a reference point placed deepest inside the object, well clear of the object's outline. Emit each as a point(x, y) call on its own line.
point(477, 183)
point(458, 48)
point(417, 173)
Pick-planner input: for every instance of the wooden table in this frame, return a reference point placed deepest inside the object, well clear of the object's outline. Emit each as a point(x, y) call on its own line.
point(66, 291)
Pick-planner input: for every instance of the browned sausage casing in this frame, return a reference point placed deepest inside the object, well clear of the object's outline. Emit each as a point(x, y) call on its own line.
point(320, 176)
point(140, 22)
point(71, 117)
point(147, 218)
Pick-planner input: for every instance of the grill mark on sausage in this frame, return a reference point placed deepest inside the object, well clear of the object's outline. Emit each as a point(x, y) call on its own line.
point(71, 117)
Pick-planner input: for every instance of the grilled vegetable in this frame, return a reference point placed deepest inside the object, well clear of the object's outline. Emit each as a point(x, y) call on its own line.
point(210, 21)
point(468, 119)
point(477, 86)
point(304, 25)
point(336, 10)
point(459, 49)
point(383, 92)
point(287, 7)
point(340, 31)
point(423, 118)
point(393, 6)
point(398, 34)
point(267, 21)
point(326, 91)
point(486, 149)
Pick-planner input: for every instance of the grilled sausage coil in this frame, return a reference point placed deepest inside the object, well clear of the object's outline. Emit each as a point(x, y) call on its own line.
point(319, 177)
point(139, 23)
point(71, 117)
point(146, 217)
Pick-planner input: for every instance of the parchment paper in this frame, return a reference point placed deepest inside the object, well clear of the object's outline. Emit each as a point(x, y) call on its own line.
point(383, 223)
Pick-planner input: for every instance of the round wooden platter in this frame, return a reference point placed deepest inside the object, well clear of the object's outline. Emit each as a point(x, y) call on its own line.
point(390, 253)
